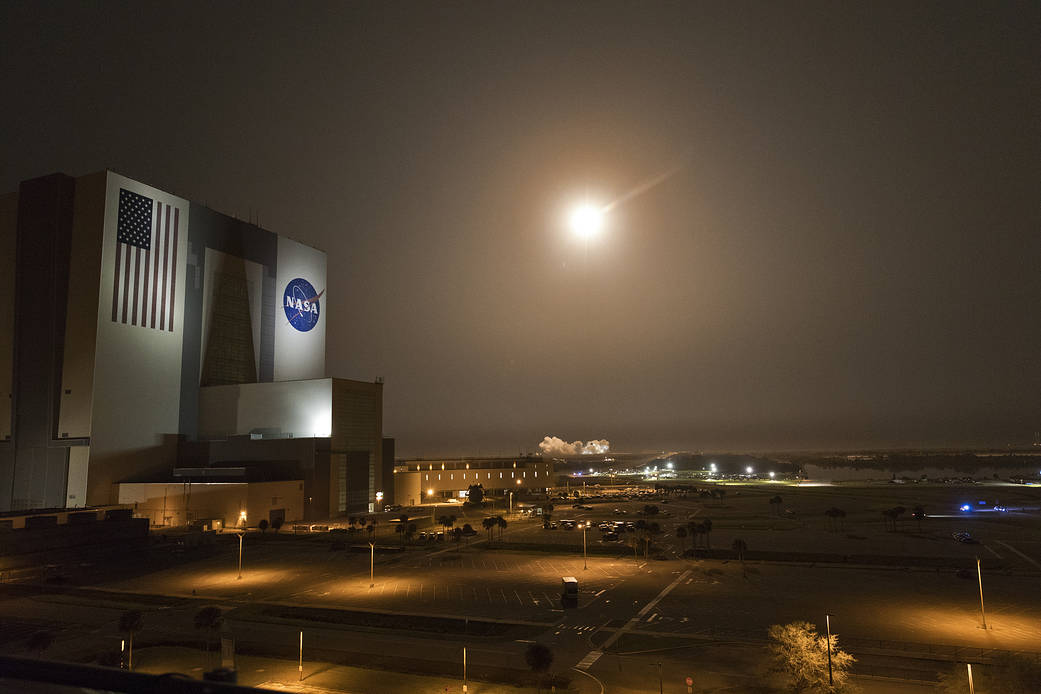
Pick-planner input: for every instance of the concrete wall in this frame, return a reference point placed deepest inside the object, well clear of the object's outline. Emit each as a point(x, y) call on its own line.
point(299, 354)
point(175, 503)
point(8, 231)
point(137, 372)
point(301, 409)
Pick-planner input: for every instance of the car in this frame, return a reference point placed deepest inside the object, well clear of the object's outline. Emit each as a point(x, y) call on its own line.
point(1001, 508)
point(392, 507)
point(965, 538)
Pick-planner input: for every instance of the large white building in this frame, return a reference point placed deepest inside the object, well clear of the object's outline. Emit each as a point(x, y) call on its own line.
point(141, 333)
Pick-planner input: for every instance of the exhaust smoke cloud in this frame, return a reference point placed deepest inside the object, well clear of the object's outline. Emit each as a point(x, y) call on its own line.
point(552, 445)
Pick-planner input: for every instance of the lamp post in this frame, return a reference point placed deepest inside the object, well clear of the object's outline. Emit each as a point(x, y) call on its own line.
point(300, 666)
point(979, 575)
point(372, 562)
point(969, 667)
point(585, 564)
point(510, 512)
point(464, 669)
point(241, 535)
point(827, 622)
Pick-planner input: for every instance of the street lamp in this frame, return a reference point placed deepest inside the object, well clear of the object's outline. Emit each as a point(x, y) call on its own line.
point(372, 562)
point(979, 575)
point(827, 622)
point(586, 220)
point(241, 535)
point(585, 527)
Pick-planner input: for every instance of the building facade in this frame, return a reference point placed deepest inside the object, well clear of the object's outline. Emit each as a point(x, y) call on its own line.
point(134, 322)
point(422, 481)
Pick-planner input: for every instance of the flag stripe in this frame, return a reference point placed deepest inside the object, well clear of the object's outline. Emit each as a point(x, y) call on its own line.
point(115, 283)
point(173, 272)
point(126, 284)
point(137, 283)
point(166, 260)
point(155, 272)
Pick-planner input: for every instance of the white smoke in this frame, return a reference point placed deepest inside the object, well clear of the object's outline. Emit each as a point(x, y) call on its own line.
point(551, 445)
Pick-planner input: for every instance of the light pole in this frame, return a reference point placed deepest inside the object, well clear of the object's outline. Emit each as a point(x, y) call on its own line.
point(241, 535)
point(464, 669)
point(372, 562)
point(585, 564)
point(969, 667)
point(300, 666)
point(510, 512)
point(827, 622)
point(979, 575)
point(660, 685)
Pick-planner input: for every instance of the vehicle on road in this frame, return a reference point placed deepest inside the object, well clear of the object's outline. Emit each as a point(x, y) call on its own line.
point(965, 538)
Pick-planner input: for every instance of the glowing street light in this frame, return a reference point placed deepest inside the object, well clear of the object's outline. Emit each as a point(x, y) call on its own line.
point(827, 621)
point(241, 535)
point(585, 527)
point(586, 220)
point(372, 562)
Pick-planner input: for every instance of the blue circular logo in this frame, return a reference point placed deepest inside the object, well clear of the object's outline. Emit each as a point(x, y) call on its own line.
point(300, 302)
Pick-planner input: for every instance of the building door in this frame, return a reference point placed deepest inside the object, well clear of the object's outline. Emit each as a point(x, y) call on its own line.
point(276, 514)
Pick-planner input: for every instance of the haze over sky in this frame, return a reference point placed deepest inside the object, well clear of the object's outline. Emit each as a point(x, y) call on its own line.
point(847, 256)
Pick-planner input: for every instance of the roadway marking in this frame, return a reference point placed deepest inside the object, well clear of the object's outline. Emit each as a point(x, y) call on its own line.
point(1010, 547)
point(647, 608)
point(588, 661)
point(987, 547)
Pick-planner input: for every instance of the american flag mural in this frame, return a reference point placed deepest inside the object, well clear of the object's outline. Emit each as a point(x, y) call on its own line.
point(145, 278)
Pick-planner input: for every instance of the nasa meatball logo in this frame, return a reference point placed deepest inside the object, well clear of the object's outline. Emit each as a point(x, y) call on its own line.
point(300, 302)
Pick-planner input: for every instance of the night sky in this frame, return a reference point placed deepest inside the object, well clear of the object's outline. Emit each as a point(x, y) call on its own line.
point(846, 253)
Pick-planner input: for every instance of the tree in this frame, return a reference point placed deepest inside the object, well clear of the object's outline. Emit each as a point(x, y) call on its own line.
point(475, 494)
point(489, 524)
point(446, 521)
point(40, 641)
point(263, 525)
point(276, 524)
point(801, 653)
point(131, 622)
point(918, 514)
point(457, 535)
point(835, 515)
point(547, 514)
point(501, 522)
point(211, 619)
point(1009, 674)
point(351, 522)
point(402, 528)
point(539, 658)
point(775, 504)
point(707, 526)
point(740, 546)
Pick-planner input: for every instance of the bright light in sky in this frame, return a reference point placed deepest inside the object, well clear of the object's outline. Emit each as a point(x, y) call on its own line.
point(586, 220)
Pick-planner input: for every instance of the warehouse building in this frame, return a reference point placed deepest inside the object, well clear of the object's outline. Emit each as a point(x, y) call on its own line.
point(422, 480)
point(143, 334)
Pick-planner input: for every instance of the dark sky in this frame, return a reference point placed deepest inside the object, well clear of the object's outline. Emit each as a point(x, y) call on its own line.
point(849, 254)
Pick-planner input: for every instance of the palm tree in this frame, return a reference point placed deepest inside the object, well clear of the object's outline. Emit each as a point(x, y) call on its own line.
point(489, 524)
point(411, 532)
point(539, 658)
point(833, 515)
point(775, 504)
point(681, 534)
point(501, 522)
point(402, 528)
point(351, 522)
point(446, 522)
point(740, 546)
point(131, 622)
point(918, 514)
point(263, 525)
point(211, 619)
point(707, 525)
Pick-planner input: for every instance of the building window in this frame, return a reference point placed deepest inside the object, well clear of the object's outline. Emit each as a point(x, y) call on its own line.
point(489, 475)
point(428, 478)
point(536, 473)
point(452, 476)
point(513, 474)
point(439, 476)
point(524, 474)
point(500, 475)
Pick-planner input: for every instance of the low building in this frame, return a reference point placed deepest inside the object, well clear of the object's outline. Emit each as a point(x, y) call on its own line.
point(421, 480)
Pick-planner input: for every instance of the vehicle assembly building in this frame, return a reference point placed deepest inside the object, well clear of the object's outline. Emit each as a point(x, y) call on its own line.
point(148, 341)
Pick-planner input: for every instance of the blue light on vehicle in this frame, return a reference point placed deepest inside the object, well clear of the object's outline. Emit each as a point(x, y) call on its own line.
point(966, 507)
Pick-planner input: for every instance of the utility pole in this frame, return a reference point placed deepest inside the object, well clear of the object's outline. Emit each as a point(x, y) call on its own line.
point(241, 535)
point(372, 563)
point(969, 667)
point(979, 575)
point(300, 666)
point(827, 622)
point(464, 669)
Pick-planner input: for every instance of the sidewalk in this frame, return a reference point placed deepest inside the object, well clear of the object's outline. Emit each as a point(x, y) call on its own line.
point(318, 678)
